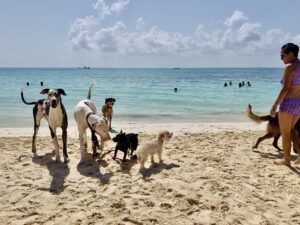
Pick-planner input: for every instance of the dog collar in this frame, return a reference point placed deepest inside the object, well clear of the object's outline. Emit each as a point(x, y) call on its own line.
point(87, 117)
point(93, 133)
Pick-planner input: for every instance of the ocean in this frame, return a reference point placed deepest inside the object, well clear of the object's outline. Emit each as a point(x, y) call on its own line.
point(144, 95)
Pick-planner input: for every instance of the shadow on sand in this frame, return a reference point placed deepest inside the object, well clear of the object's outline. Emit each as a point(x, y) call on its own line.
point(58, 170)
point(125, 167)
point(294, 169)
point(92, 168)
point(157, 168)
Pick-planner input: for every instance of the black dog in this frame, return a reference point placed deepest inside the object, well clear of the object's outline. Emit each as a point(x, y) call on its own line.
point(124, 142)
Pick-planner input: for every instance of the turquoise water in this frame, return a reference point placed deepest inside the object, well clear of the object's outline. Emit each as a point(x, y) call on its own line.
point(144, 95)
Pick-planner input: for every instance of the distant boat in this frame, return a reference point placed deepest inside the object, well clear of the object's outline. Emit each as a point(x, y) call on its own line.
point(176, 68)
point(85, 67)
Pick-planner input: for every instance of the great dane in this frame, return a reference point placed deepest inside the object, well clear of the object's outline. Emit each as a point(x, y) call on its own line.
point(55, 113)
point(39, 112)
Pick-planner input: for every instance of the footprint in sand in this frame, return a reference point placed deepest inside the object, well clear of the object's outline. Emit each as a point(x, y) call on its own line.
point(166, 205)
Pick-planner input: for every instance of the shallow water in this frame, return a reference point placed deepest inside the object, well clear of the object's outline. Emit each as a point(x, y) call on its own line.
point(144, 95)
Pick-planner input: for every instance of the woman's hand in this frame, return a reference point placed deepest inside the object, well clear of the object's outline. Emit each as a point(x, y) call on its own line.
point(273, 110)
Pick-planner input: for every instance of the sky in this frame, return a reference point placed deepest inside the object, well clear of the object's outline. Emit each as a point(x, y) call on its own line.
point(146, 33)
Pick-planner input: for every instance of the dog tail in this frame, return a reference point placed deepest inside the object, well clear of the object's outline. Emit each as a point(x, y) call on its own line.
point(23, 99)
point(90, 90)
point(256, 118)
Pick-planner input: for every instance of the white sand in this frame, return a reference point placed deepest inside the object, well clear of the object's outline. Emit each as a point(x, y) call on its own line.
point(210, 175)
point(176, 128)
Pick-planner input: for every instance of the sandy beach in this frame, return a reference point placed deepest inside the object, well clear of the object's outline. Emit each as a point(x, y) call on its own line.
point(210, 175)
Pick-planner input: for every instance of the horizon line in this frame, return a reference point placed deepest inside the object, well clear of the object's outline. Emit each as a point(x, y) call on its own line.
point(89, 67)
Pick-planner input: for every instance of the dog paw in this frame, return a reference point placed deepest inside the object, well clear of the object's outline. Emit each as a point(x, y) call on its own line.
point(58, 160)
point(254, 147)
point(66, 160)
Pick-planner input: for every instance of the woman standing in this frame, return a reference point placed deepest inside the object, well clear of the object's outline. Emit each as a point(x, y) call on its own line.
point(289, 99)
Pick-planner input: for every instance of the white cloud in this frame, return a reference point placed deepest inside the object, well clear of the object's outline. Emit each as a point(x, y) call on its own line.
point(102, 9)
point(79, 33)
point(108, 39)
point(236, 19)
point(119, 5)
point(239, 35)
point(140, 24)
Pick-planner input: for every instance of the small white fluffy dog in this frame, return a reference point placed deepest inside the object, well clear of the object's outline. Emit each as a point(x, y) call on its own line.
point(152, 147)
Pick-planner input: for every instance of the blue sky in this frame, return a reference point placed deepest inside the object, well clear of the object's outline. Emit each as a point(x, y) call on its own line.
point(146, 33)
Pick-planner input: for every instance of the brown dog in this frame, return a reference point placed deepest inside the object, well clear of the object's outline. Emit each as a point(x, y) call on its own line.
point(273, 129)
point(107, 110)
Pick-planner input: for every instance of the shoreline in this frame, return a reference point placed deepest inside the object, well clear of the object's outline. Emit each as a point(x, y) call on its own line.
point(146, 128)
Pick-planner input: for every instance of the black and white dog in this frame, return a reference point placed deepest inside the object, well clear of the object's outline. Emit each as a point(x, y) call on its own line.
point(85, 114)
point(57, 117)
point(55, 113)
point(39, 112)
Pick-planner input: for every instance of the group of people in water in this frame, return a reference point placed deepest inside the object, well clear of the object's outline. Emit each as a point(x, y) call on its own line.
point(41, 83)
point(241, 84)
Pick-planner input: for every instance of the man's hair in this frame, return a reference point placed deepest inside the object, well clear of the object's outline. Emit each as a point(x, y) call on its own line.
point(290, 47)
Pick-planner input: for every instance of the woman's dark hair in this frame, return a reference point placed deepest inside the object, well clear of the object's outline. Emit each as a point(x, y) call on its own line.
point(290, 47)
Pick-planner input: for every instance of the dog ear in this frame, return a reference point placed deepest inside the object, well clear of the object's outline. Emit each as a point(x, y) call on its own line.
point(161, 135)
point(61, 91)
point(45, 91)
point(121, 131)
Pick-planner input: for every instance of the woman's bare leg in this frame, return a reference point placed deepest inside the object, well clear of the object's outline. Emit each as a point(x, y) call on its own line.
point(286, 122)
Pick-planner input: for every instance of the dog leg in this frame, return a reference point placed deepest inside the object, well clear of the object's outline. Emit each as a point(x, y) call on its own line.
point(83, 150)
point(55, 143)
point(296, 141)
point(124, 157)
point(116, 151)
point(152, 159)
point(160, 157)
point(102, 145)
point(36, 129)
point(64, 139)
point(296, 145)
point(109, 127)
point(142, 163)
point(275, 142)
point(94, 147)
point(266, 136)
point(85, 140)
point(37, 116)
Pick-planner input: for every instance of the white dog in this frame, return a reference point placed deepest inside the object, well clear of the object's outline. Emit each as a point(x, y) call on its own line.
point(85, 114)
point(152, 147)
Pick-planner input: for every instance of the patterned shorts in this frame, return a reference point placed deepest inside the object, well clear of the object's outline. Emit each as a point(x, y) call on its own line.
point(290, 106)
